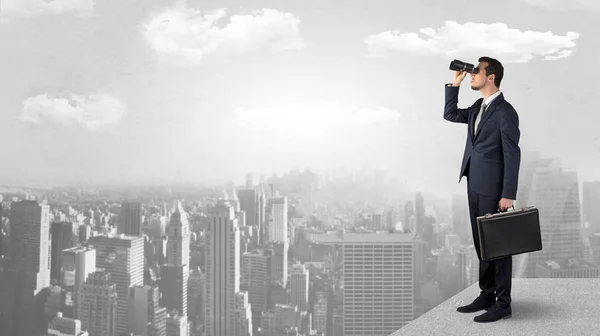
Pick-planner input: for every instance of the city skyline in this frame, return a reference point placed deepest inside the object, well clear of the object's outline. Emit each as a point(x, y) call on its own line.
point(345, 259)
point(144, 91)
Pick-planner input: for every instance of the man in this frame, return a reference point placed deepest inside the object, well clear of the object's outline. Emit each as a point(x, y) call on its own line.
point(491, 164)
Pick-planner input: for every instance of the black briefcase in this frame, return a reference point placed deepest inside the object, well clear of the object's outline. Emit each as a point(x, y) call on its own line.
point(509, 233)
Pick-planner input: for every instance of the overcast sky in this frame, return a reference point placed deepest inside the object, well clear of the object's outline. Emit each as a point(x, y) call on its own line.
point(146, 89)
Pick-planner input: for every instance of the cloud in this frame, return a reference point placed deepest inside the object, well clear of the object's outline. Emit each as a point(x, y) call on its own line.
point(30, 8)
point(471, 39)
point(561, 5)
point(314, 119)
point(190, 33)
point(93, 112)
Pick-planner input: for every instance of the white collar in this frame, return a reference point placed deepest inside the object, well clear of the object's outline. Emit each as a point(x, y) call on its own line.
point(490, 98)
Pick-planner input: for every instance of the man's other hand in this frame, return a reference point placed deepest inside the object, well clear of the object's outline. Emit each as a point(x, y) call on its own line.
point(505, 204)
point(458, 77)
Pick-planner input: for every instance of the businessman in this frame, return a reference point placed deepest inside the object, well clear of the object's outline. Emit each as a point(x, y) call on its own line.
point(491, 165)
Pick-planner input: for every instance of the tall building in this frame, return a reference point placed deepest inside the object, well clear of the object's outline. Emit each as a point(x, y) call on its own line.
point(278, 223)
point(222, 269)
point(98, 308)
point(77, 263)
point(591, 210)
point(65, 326)
point(531, 162)
point(146, 317)
point(28, 270)
point(197, 297)
point(337, 323)
point(255, 279)
point(176, 273)
point(242, 315)
point(379, 221)
point(123, 257)
point(176, 325)
point(472, 265)
point(556, 195)
point(3, 236)
point(178, 243)
point(62, 238)
point(250, 204)
point(130, 219)
point(281, 320)
point(409, 218)
point(320, 312)
point(420, 214)
point(461, 221)
point(391, 218)
point(594, 239)
point(262, 212)
point(299, 285)
point(279, 262)
point(30, 241)
point(249, 181)
point(377, 273)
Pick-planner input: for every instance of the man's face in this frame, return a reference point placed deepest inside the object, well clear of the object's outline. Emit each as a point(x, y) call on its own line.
point(479, 80)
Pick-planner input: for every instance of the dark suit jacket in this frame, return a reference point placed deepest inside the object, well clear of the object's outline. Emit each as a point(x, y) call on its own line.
point(492, 157)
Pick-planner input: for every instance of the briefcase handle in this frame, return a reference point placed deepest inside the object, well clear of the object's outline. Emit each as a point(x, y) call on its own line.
point(513, 207)
point(523, 208)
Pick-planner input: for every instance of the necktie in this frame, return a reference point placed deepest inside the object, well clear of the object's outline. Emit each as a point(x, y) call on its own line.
point(478, 119)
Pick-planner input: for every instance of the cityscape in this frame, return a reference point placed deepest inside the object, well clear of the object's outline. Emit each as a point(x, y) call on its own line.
point(287, 168)
point(307, 253)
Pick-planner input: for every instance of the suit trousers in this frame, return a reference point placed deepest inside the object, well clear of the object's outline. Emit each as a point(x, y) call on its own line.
point(495, 276)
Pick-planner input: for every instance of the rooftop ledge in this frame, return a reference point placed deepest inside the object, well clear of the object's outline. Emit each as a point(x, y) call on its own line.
point(539, 307)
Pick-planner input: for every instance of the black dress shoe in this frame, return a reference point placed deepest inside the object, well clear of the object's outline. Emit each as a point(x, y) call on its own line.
point(494, 314)
point(478, 304)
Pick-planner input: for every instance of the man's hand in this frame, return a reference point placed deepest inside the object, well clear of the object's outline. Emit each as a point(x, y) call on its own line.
point(505, 204)
point(458, 77)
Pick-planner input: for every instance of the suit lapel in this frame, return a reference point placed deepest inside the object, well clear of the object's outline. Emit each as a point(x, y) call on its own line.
point(488, 113)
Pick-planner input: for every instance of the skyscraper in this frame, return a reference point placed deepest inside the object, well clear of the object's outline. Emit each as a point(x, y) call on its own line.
point(146, 317)
point(77, 263)
point(130, 219)
point(461, 221)
point(64, 326)
point(249, 181)
point(62, 238)
point(591, 210)
point(555, 192)
point(222, 269)
point(250, 204)
point(176, 273)
point(30, 241)
point(262, 210)
point(278, 223)
point(123, 257)
point(255, 279)
point(28, 271)
point(378, 282)
point(98, 310)
point(178, 244)
point(299, 287)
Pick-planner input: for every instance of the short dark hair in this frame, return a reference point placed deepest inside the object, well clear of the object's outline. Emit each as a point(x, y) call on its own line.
point(494, 67)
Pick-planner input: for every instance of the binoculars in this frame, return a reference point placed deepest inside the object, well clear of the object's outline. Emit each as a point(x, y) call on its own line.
point(457, 65)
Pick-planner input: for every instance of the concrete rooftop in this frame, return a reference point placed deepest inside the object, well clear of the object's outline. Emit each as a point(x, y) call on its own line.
point(539, 307)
